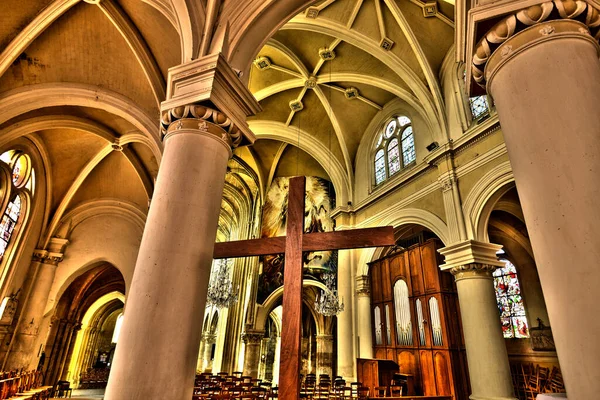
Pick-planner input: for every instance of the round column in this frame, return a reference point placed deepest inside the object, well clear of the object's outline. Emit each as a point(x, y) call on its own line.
point(345, 344)
point(23, 353)
point(252, 339)
point(489, 371)
point(160, 337)
point(545, 81)
point(363, 305)
point(207, 360)
point(325, 355)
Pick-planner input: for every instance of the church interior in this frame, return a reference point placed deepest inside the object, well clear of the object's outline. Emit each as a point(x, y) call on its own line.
point(420, 175)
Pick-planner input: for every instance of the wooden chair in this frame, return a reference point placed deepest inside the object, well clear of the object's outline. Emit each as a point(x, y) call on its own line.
point(354, 386)
point(395, 391)
point(363, 393)
point(380, 391)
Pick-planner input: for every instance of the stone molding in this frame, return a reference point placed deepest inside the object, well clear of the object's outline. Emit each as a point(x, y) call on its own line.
point(210, 90)
point(494, 41)
point(470, 271)
point(253, 337)
point(463, 256)
point(363, 286)
point(209, 338)
point(200, 118)
point(54, 254)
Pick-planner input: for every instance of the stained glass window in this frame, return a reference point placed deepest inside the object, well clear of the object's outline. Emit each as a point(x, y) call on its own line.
point(380, 167)
point(393, 156)
point(479, 106)
point(510, 303)
point(22, 182)
point(395, 148)
point(408, 146)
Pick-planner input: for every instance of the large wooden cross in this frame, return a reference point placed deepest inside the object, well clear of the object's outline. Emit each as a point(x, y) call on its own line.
point(292, 245)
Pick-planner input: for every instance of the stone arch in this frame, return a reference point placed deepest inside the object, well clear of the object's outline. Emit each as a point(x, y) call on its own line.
point(397, 219)
point(482, 198)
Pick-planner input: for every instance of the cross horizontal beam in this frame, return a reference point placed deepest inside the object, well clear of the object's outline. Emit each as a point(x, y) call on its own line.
point(340, 240)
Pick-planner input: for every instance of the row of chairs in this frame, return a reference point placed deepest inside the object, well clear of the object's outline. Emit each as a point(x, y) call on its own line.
point(325, 389)
point(94, 378)
point(224, 386)
point(530, 380)
point(23, 385)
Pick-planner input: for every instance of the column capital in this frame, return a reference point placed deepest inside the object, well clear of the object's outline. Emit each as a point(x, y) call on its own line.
point(53, 254)
point(209, 338)
point(253, 336)
point(209, 93)
point(520, 28)
point(325, 337)
point(470, 255)
point(363, 286)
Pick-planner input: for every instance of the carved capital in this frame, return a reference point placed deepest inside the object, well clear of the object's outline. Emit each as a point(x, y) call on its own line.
point(209, 338)
point(469, 253)
point(447, 181)
point(363, 286)
point(203, 119)
point(470, 271)
point(53, 254)
point(253, 337)
point(546, 21)
point(208, 89)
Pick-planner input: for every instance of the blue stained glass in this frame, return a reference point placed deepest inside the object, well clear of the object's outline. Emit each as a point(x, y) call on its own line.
point(379, 167)
point(408, 146)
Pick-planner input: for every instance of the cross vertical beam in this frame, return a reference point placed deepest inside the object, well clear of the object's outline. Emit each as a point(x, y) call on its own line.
point(289, 367)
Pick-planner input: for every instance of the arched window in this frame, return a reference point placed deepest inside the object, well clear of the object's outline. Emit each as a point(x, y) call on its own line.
point(510, 302)
point(395, 148)
point(18, 190)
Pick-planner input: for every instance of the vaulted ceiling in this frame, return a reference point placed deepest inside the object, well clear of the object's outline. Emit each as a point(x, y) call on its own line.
point(98, 69)
point(328, 72)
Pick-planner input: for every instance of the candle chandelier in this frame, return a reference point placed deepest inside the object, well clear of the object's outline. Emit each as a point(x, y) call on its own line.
point(328, 303)
point(220, 288)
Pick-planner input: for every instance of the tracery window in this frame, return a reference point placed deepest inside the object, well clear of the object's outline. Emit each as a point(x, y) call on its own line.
point(395, 148)
point(19, 190)
point(510, 302)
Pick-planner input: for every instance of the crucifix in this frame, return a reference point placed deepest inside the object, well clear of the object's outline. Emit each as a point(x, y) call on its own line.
point(292, 245)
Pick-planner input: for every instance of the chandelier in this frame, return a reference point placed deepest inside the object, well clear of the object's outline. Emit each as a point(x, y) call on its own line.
point(220, 288)
point(328, 303)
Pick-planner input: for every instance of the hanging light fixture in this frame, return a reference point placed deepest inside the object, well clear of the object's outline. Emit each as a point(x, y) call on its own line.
point(328, 303)
point(220, 288)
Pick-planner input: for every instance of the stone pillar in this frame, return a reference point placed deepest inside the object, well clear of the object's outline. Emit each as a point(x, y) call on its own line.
point(545, 81)
point(472, 264)
point(365, 326)
point(201, 120)
point(207, 360)
point(276, 361)
point(325, 355)
point(345, 336)
point(23, 353)
point(252, 339)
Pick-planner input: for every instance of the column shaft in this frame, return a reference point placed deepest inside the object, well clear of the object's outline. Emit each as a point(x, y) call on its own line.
point(252, 339)
point(324, 355)
point(160, 337)
point(489, 370)
point(547, 92)
point(364, 325)
point(345, 336)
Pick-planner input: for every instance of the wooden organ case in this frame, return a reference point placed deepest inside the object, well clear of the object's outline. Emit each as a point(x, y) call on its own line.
point(416, 320)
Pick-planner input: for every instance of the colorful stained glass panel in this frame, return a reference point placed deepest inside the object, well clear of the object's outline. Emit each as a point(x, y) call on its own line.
point(408, 146)
point(390, 128)
point(510, 302)
point(393, 157)
point(379, 167)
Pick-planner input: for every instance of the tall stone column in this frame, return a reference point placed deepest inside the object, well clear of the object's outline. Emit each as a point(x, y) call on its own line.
point(545, 81)
point(472, 264)
point(23, 353)
point(207, 361)
point(345, 336)
point(325, 355)
point(202, 119)
point(252, 339)
point(363, 305)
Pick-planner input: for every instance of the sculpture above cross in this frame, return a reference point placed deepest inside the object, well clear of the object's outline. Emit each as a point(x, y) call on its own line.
point(292, 245)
